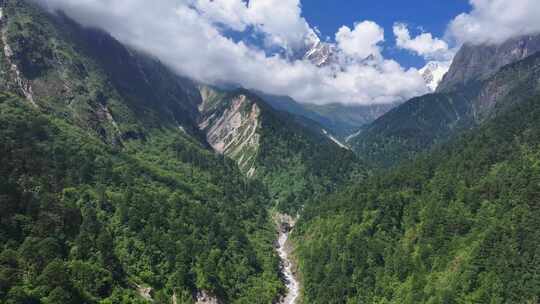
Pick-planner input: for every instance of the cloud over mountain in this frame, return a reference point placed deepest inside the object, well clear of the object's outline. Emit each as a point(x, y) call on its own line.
point(193, 38)
point(279, 20)
point(494, 21)
point(424, 44)
point(189, 36)
point(362, 41)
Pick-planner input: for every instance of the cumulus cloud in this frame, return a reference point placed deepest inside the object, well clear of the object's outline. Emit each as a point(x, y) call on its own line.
point(424, 44)
point(434, 50)
point(362, 41)
point(189, 36)
point(279, 20)
point(494, 21)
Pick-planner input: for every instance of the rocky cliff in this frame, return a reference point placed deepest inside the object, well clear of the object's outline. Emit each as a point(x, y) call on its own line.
point(471, 93)
point(231, 125)
point(478, 62)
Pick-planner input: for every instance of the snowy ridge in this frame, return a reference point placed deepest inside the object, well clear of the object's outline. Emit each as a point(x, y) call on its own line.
point(433, 73)
point(317, 52)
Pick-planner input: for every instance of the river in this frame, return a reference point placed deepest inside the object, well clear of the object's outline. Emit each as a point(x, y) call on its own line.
point(292, 284)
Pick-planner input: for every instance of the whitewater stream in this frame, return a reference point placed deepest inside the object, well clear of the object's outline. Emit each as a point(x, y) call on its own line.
point(293, 287)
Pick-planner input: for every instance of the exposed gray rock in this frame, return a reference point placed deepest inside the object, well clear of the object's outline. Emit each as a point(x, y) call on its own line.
point(231, 124)
point(23, 84)
point(478, 62)
point(204, 297)
point(145, 292)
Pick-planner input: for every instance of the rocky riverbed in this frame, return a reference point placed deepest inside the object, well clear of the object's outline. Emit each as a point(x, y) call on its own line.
point(285, 226)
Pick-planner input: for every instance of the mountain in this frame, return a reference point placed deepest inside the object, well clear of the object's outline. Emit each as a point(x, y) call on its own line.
point(110, 192)
point(122, 181)
point(318, 52)
point(293, 156)
point(439, 226)
point(339, 120)
point(472, 62)
point(86, 76)
point(434, 118)
point(479, 62)
point(313, 120)
point(435, 227)
point(459, 224)
point(348, 119)
point(433, 73)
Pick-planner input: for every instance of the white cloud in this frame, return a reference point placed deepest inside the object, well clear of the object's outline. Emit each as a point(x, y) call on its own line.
point(188, 37)
point(231, 13)
point(362, 41)
point(424, 44)
point(279, 20)
point(434, 50)
point(494, 21)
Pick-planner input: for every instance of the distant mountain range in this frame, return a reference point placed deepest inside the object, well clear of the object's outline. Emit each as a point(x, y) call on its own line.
point(340, 120)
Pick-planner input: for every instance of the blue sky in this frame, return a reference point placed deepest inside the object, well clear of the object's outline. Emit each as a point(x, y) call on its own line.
point(431, 15)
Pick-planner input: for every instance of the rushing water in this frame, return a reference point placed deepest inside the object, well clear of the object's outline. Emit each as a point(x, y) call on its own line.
point(291, 282)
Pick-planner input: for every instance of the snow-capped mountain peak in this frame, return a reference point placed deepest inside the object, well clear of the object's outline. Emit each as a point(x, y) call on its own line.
point(433, 73)
point(318, 52)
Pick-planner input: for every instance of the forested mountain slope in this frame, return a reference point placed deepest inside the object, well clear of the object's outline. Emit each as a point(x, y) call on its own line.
point(89, 78)
point(122, 182)
point(111, 188)
point(293, 157)
point(82, 221)
point(109, 191)
point(459, 225)
point(424, 121)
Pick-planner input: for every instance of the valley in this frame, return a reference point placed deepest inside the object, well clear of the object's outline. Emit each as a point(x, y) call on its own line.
point(123, 180)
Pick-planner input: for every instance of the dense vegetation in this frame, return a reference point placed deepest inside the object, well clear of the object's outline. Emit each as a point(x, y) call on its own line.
point(299, 164)
point(109, 185)
point(293, 155)
point(413, 127)
point(460, 225)
point(83, 222)
point(108, 189)
point(106, 185)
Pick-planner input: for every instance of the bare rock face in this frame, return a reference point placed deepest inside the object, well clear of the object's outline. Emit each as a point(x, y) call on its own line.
point(231, 124)
point(504, 88)
point(478, 62)
point(203, 297)
point(145, 292)
point(23, 84)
